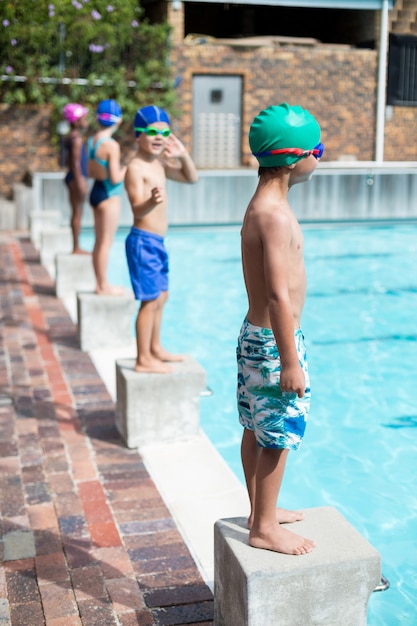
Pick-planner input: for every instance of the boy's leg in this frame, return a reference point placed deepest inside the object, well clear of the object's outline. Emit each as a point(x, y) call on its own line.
point(106, 220)
point(145, 321)
point(156, 348)
point(265, 532)
point(250, 452)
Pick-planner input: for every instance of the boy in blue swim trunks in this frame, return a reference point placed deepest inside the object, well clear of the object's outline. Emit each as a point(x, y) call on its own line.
point(273, 390)
point(160, 155)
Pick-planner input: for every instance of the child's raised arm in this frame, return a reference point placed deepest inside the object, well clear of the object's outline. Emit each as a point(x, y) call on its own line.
point(180, 166)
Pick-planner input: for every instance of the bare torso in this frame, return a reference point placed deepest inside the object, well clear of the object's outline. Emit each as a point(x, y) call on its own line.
point(270, 274)
point(151, 175)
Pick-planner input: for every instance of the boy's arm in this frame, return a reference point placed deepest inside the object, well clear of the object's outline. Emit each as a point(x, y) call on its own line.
point(140, 202)
point(79, 179)
point(276, 238)
point(181, 168)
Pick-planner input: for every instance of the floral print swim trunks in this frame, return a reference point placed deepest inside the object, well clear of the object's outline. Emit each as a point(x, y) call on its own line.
point(278, 419)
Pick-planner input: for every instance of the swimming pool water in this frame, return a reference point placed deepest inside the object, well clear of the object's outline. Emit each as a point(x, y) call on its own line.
point(360, 323)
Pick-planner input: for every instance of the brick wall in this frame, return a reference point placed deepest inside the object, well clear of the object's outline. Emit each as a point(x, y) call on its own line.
point(25, 139)
point(338, 88)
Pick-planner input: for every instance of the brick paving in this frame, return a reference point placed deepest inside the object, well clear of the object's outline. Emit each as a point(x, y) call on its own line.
point(86, 537)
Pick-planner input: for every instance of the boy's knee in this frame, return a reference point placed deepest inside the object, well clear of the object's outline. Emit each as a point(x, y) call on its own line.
point(148, 304)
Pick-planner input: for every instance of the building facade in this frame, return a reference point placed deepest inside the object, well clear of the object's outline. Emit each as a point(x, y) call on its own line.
point(231, 60)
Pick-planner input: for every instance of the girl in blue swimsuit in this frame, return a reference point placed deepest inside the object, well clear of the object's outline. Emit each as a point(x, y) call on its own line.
point(104, 166)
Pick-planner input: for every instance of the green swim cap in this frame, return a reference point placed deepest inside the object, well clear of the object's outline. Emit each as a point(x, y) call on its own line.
point(282, 126)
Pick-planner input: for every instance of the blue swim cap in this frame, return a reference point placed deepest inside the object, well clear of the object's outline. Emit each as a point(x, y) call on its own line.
point(108, 112)
point(149, 115)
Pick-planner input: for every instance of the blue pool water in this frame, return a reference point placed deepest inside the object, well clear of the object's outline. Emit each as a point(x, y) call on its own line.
point(360, 322)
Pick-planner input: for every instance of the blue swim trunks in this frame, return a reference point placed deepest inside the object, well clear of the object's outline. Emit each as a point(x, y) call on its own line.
point(277, 419)
point(147, 260)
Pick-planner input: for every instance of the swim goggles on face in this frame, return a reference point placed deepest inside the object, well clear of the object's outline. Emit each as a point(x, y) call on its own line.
point(317, 152)
point(151, 131)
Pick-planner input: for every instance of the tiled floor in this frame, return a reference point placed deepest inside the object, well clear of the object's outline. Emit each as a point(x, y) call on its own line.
point(86, 537)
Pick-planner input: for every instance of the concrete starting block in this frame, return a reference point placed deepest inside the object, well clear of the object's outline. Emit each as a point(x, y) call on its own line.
point(104, 321)
point(40, 221)
point(52, 242)
point(331, 586)
point(24, 200)
point(152, 408)
point(73, 272)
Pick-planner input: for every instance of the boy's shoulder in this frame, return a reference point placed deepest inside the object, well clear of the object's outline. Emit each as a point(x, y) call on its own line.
point(268, 210)
point(136, 163)
point(139, 164)
point(139, 161)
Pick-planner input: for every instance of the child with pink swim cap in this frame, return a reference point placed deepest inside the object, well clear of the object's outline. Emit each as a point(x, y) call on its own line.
point(76, 161)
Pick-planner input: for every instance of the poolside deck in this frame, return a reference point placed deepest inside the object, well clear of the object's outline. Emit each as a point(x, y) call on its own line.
point(86, 537)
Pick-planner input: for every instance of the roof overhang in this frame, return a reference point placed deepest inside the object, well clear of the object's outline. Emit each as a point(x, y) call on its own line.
point(317, 4)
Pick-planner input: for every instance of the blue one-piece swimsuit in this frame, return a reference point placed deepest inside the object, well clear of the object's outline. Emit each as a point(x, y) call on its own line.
point(102, 189)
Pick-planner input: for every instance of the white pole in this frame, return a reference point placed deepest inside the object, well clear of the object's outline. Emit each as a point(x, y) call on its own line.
point(382, 81)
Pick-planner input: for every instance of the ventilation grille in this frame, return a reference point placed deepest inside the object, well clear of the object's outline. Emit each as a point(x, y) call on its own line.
point(217, 140)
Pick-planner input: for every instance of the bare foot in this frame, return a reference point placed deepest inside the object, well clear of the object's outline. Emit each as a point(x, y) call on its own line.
point(163, 355)
point(153, 366)
point(111, 290)
point(284, 516)
point(80, 251)
point(279, 539)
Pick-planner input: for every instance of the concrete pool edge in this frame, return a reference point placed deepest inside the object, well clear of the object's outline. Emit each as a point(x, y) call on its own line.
point(193, 479)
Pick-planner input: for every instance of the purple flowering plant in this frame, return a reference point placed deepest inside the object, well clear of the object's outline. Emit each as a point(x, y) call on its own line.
point(106, 43)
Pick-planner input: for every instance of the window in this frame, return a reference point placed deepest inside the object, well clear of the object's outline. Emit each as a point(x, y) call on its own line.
point(402, 70)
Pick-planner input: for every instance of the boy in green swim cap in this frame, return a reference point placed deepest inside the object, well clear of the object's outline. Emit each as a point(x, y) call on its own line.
point(273, 390)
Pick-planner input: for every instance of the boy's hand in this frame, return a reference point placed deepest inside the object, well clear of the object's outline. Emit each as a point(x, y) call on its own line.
point(292, 380)
point(157, 195)
point(174, 148)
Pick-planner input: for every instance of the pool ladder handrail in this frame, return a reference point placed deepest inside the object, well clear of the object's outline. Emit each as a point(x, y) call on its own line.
point(383, 585)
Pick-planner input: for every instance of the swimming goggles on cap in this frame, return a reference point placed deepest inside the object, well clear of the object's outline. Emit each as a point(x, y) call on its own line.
point(109, 117)
point(317, 152)
point(151, 131)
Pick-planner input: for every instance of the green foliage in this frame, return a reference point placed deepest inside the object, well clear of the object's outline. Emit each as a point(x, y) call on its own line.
point(105, 43)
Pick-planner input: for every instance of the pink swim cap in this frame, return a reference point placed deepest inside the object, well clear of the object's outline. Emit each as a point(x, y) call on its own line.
point(74, 112)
